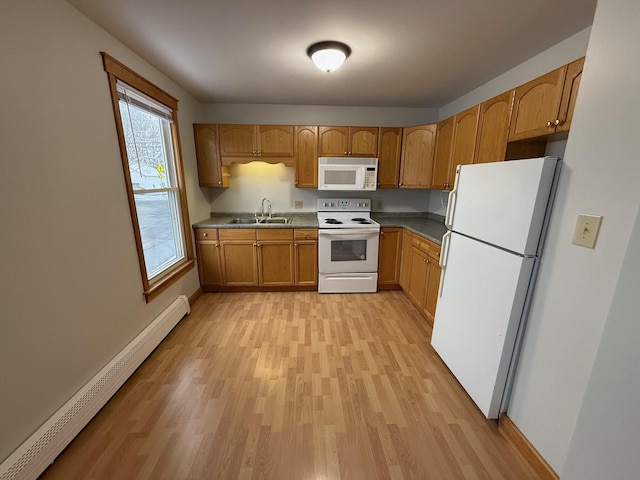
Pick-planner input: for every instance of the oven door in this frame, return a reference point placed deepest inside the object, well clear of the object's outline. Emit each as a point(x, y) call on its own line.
point(348, 250)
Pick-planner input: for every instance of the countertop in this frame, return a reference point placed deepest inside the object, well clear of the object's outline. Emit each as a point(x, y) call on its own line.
point(424, 224)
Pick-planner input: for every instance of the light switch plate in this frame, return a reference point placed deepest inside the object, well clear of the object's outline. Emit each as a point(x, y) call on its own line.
point(586, 232)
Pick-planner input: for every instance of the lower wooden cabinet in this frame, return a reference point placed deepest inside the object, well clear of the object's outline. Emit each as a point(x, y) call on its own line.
point(420, 273)
point(275, 257)
point(389, 257)
point(239, 257)
point(256, 258)
point(305, 245)
point(208, 254)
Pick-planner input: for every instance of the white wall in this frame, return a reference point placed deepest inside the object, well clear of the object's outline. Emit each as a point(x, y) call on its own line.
point(70, 289)
point(576, 285)
point(605, 441)
point(570, 49)
point(317, 115)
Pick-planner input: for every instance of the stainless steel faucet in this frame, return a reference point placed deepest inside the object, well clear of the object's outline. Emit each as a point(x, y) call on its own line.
point(262, 206)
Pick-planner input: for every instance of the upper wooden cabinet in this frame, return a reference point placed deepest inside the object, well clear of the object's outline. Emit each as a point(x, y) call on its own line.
point(442, 156)
point(389, 150)
point(569, 94)
point(207, 155)
point(347, 141)
point(455, 145)
point(269, 143)
point(464, 140)
point(306, 158)
point(545, 105)
point(493, 128)
point(416, 162)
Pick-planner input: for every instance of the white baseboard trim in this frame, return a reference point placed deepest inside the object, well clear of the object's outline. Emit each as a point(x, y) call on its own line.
point(29, 460)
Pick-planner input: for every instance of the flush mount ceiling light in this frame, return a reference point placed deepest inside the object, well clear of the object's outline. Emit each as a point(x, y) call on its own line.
point(328, 56)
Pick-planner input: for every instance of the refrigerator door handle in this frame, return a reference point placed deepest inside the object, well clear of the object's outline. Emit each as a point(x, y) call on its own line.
point(451, 202)
point(446, 240)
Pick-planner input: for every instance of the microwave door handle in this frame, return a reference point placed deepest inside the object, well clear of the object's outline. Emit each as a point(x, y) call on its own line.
point(363, 179)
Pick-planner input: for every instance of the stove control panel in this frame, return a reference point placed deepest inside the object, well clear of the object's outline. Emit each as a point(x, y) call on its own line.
point(344, 204)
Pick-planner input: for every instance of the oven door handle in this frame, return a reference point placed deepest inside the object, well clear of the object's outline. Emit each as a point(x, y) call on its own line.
point(347, 232)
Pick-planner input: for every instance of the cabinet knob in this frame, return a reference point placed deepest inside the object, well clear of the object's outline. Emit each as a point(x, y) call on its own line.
point(350, 153)
point(220, 183)
point(255, 245)
point(295, 183)
point(205, 234)
point(400, 184)
point(346, 153)
point(557, 122)
point(259, 152)
point(549, 124)
point(216, 244)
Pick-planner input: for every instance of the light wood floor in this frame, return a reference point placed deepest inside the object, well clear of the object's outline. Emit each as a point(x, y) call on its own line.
point(292, 385)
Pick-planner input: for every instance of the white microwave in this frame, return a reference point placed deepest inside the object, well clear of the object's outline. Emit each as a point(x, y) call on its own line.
point(347, 173)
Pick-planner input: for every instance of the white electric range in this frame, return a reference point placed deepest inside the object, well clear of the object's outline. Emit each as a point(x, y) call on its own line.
point(348, 241)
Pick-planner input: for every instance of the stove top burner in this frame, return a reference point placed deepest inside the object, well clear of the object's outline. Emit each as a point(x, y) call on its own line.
point(363, 221)
point(333, 221)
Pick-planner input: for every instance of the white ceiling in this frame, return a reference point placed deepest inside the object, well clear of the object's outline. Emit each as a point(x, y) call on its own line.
point(406, 53)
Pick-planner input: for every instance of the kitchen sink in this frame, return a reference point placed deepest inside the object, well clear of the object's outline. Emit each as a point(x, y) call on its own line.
point(260, 221)
point(280, 220)
point(243, 221)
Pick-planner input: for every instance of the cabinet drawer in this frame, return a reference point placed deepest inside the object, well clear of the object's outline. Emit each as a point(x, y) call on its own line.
point(305, 234)
point(420, 243)
point(275, 234)
point(206, 233)
point(237, 234)
point(434, 251)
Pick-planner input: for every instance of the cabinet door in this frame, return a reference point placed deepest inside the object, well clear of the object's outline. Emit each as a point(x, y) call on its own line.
point(306, 262)
point(208, 254)
point(332, 141)
point(389, 256)
point(275, 141)
point(306, 256)
point(433, 283)
point(275, 260)
point(363, 142)
point(431, 293)
point(239, 257)
point(464, 140)
point(536, 105)
point(237, 140)
point(207, 155)
point(442, 157)
point(389, 143)
point(306, 148)
point(569, 94)
point(419, 277)
point(493, 128)
point(416, 162)
point(405, 263)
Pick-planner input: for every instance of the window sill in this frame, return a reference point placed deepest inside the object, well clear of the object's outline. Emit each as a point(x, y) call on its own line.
point(168, 279)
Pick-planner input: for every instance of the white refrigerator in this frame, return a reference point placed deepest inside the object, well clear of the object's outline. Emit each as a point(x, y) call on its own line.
point(496, 218)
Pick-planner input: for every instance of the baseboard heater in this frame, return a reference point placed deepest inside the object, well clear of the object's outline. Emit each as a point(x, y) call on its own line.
point(41, 449)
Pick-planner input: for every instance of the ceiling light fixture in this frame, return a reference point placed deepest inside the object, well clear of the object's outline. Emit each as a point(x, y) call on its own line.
point(328, 56)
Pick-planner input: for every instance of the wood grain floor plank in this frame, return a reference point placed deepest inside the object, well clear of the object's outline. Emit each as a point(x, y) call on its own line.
point(292, 385)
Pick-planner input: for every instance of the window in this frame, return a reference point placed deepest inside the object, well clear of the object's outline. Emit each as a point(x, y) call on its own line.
point(146, 121)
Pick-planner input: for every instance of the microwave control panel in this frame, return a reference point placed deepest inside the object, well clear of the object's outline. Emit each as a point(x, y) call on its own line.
point(370, 178)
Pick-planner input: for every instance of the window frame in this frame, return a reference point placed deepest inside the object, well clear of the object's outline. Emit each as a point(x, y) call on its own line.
point(117, 71)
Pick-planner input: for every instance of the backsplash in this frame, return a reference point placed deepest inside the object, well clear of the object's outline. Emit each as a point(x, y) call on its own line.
point(250, 183)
